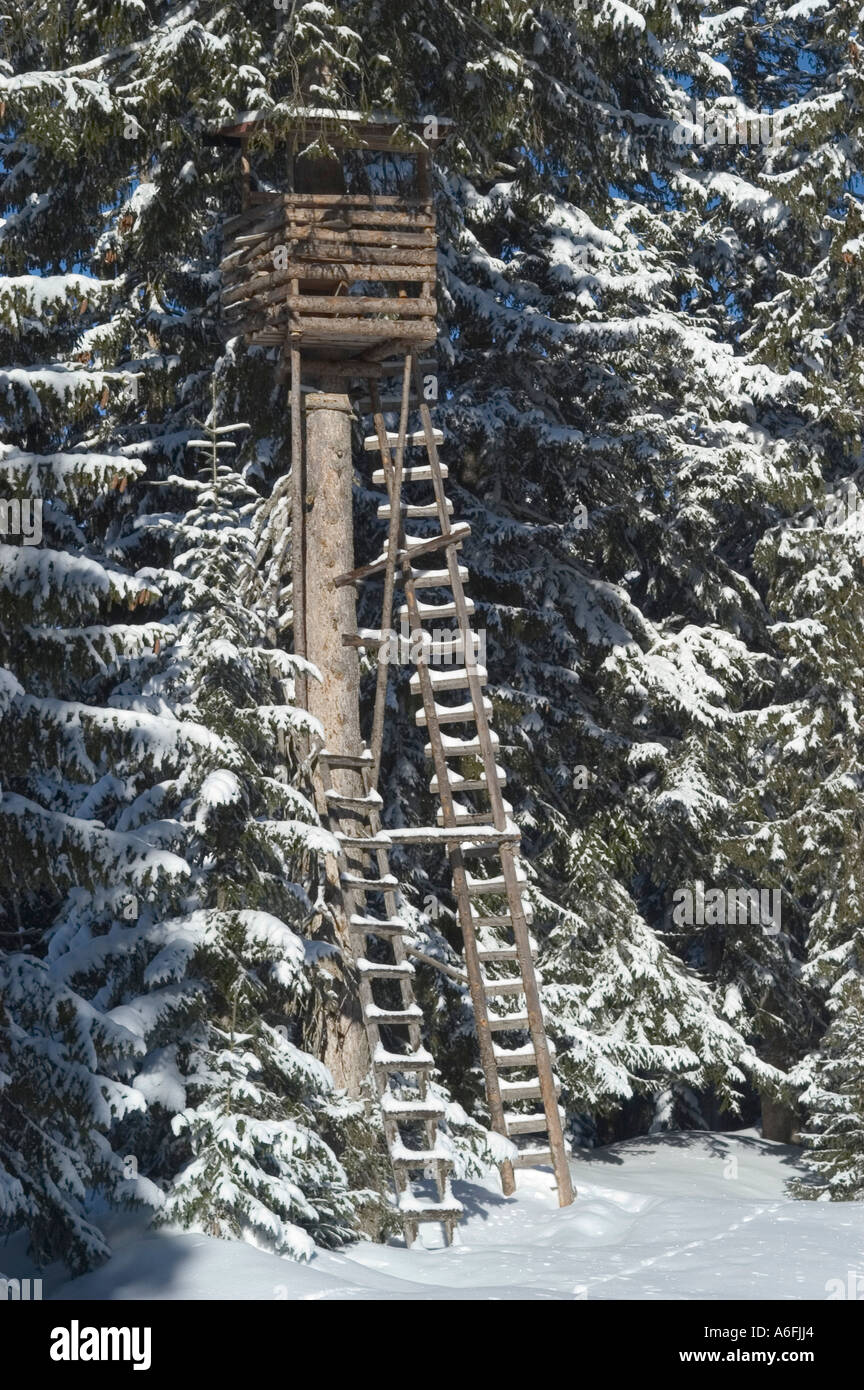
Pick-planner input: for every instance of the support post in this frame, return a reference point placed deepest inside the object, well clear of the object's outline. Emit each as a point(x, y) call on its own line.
point(330, 612)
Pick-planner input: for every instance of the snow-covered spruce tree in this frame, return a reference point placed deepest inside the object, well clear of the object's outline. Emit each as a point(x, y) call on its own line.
point(779, 246)
point(112, 799)
point(251, 1110)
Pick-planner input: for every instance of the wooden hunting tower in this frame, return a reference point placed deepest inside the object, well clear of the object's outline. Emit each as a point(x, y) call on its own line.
point(338, 272)
point(298, 265)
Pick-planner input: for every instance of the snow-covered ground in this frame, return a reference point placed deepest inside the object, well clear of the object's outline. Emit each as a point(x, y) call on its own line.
point(688, 1216)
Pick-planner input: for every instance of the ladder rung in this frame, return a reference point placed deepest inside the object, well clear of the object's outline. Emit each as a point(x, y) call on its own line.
point(513, 1023)
point(462, 747)
point(435, 579)
point(414, 440)
point(373, 970)
point(517, 1057)
point(366, 843)
point(414, 509)
point(481, 886)
point(487, 847)
point(529, 1158)
point(499, 954)
point(419, 1158)
point(500, 919)
point(502, 987)
point(468, 784)
point(387, 884)
point(394, 1017)
point(453, 834)
point(354, 803)
point(411, 1207)
point(453, 714)
point(379, 926)
point(422, 473)
point(523, 1090)
point(527, 1124)
point(457, 679)
point(419, 1060)
point(455, 536)
point(428, 611)
point(468, 817)
point(346, 761)
point(406, 1110)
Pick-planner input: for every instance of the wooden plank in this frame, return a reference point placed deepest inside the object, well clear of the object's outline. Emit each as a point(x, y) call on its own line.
point(354, 304)
point(325, 252)
point(261, 284)
point(360, 236)
point(405, 221)
point(426, 331)
point(349, 200)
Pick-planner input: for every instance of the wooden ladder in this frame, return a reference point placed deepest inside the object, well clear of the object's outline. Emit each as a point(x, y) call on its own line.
point(401, 1066)
point(473, 822)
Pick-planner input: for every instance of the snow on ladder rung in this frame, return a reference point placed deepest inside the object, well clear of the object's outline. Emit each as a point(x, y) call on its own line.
point(469, 784)
point(511, 1023)
point(504, 987)
point(418, 1060)
point(418, 1158)
point(386, 884)
point(435, 579)
point(480, 886)
point(455, 679)
point(379, 926)
point(516, 1123)
point(530, 1158)
point(372, 800)
point(375, 1013)
point(415, 440)
point(419, 1209)
point(453, 714)
point(514, 1057)
point(523, 1090)
point(462, 747)
point(501, 919)
point(377, 970)
point(428, 612)
point(422, 473)
point(394, 1108)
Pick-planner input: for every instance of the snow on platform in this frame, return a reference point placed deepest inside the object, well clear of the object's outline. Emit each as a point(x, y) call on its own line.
point(683, 1216)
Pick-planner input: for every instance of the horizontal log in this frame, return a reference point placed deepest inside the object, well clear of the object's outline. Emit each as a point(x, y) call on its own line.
point(352, 304)
point(342, 252)
point(360, 236)
point(349, 273)
point(351, 200)
point(398, 213)
point(404, 221)
point(425, 331)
